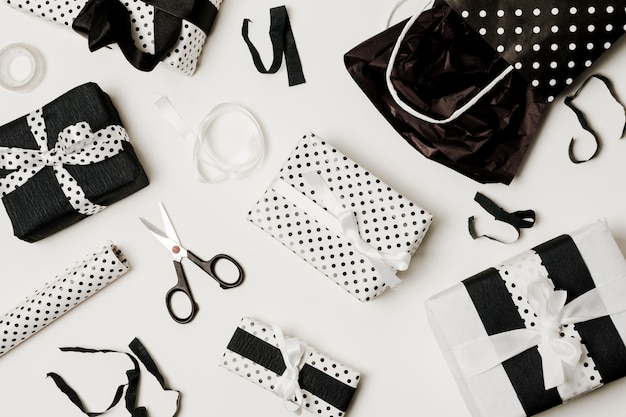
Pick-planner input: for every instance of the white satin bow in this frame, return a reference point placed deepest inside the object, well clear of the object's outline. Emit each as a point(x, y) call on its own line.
point(557, 352)
point(288, 387)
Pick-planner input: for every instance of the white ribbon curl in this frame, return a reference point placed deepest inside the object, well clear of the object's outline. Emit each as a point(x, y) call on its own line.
point(293, 352)
point(76, 145)
point(556, 352)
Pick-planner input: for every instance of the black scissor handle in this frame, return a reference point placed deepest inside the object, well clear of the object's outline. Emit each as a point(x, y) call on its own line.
point(180, 287)
point(209, 268)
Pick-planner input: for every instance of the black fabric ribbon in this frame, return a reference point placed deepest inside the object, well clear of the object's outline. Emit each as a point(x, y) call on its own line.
point(583, 120)
point(498, 313)
point(283, 42)
point(521, 219)
point(318, 383)
point(133, 376)
point(105, 22)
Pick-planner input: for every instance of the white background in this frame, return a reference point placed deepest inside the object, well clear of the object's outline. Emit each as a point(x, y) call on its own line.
point(388, 339)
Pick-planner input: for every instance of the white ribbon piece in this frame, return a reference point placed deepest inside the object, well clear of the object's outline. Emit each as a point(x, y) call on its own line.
point(293, 352)
point(76, 145)
point(556, 352)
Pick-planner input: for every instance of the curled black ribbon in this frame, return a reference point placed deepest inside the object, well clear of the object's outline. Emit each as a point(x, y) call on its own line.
point(283, 42)
point(133, 376)
point(105, 22)
point(583, 121)
point(521, 219)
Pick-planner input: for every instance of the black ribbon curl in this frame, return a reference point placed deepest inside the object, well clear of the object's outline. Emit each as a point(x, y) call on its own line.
point(521, 219)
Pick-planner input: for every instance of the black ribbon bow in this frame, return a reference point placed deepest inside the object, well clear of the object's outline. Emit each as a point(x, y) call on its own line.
point(521, 219)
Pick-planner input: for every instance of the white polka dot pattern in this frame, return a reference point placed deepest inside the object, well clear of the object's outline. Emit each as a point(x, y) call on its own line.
point(269, 380)
point(60, 295)
point(387, 221)
point(517, 273)
point(183, 56)
point(549, 43)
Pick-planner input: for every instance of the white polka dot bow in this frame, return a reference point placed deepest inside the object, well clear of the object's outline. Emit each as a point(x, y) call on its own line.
point(76, 145)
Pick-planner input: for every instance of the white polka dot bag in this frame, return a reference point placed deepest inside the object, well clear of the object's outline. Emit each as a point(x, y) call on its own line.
point(304, 378)
point(147, 32)
point(341, 219)
point(539, 329)
point(66, 161)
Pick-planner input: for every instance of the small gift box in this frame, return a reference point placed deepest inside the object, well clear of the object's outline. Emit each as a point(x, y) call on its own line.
point(64, 162)
point(341, 219)
point(303, 377)
point(147, 32)
point(539, 329)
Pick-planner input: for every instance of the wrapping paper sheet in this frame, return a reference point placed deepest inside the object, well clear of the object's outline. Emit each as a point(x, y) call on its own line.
point(254, 354)
point(55, 298)
point(496, 301)
point(183, 55)
point(387, 222)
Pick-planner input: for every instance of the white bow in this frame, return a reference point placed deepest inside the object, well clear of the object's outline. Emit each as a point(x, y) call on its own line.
point(288, 387)
point(556, 352)
point(76, 145)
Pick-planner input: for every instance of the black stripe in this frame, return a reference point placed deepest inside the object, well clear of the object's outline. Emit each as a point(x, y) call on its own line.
point(499, 314)
point(567, 269)
point(318, 383)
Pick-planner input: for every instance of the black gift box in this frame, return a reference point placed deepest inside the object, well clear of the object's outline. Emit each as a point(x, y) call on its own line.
point(39, 207)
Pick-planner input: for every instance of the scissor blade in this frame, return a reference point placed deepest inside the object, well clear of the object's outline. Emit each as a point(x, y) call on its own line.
point(167, 223)
point(168, 243)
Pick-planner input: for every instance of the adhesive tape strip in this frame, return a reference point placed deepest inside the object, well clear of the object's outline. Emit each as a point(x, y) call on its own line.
point(29, 76)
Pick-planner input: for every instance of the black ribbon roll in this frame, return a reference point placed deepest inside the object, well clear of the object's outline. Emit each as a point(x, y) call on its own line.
point(283, 42)
point(318, 383)
point(105, 22)
point(521, 219)
point(133, 376)
point(498, 313)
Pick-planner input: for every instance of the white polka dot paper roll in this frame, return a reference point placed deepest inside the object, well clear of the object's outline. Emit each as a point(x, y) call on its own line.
point(389, 226)
point(55, 298)
point(254, 354)
point(183, 56)
point(560, 309)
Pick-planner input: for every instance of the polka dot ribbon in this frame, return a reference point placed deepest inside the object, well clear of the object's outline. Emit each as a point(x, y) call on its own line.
point(293, 352)
point(558, 353)
point(76, 145)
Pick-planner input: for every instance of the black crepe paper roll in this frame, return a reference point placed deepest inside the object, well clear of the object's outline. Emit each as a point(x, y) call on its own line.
point(39, 208)
point(442, 63)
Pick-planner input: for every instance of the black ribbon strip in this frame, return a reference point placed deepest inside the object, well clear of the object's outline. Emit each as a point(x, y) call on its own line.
point(583, 120)
point(105, 22)
point(133, 376)
point(521, 219)
point(283, 42)
point(318, 383)
point(498, 313)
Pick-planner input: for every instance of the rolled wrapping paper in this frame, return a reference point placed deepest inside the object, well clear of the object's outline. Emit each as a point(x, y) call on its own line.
point(341, 219)
point(539, 329)
point(70, 288)
point(303, 377)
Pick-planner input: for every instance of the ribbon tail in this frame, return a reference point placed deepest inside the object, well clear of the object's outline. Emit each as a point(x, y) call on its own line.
point(553, 372)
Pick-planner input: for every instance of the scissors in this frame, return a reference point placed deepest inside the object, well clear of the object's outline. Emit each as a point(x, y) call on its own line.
point(170, 240)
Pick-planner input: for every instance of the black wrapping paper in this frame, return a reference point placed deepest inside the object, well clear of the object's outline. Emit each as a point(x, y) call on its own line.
point(39, 208)
point(442, 64)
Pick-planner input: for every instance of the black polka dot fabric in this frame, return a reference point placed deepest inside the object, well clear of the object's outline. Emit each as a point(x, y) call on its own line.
point(549, 42)
point(64, 292)
point(184, 54)
point(269, 380)
point(387, 221)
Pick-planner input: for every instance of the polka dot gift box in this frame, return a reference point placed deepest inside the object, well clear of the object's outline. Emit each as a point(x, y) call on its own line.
point(65, 161)
point(55, 298)
point(539, 329)
point(341, 219)
point(147, 32)
point(304, 378)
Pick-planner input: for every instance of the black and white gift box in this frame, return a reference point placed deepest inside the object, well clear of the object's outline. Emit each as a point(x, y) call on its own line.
point(290, 369)
point(146, 31)
point(540, 329)
point(65, 161)
point(341, 219)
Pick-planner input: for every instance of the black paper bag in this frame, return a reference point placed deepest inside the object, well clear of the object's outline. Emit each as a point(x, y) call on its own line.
point(46, 187)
